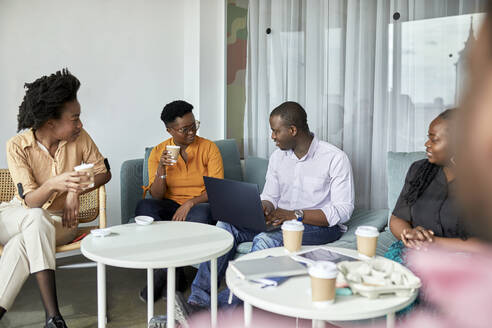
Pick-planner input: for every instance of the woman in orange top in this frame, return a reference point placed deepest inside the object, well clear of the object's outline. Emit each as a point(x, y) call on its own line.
point(177, 187)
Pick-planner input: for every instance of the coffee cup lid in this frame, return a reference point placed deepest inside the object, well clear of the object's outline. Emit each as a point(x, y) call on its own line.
point(323, 269)
point(367, 231)
point(83, 166)
point(293, 225)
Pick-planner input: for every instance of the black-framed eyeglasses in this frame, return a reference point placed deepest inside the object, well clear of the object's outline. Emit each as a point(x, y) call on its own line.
point(187, 129)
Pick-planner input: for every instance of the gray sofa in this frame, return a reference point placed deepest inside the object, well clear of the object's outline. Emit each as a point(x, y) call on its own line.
point(134, 175)
point(397, 167)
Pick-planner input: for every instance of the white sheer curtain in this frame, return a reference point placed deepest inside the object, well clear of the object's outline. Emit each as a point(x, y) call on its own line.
point(350, 64)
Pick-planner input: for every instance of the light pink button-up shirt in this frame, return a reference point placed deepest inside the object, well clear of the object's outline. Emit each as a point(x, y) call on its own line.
point(322, 179)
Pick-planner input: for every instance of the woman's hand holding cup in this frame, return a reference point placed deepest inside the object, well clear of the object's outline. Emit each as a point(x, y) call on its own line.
point(167, 159)
point(169, 156)
point(87, 179)
point(68, 182)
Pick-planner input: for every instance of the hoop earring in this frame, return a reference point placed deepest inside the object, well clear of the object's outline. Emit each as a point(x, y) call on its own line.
point(452, 160)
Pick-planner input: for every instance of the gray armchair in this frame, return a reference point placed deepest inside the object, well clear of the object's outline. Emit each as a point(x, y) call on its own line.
point(134, 174)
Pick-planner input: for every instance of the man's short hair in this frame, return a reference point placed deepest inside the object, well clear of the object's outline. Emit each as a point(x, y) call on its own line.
point(177, 108)
point(292, 114)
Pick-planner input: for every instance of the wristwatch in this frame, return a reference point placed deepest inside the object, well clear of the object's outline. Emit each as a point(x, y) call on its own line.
point(299, 215)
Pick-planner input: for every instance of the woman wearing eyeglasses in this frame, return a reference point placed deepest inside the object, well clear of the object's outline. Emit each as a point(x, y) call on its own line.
point(177, 187)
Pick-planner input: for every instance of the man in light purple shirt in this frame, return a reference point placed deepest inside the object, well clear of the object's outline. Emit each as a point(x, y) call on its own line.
point(306, 174)
point(307, 179)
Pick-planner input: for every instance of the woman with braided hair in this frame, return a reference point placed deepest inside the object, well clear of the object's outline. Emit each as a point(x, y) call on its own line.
point(44, 213)
point(426, 211)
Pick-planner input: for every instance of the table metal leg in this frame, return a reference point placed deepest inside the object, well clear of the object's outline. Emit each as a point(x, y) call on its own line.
point(213, 291)
point(101, 295)
point(150, 294)
point(171, 285)
point(390, 320)
point(248, 313)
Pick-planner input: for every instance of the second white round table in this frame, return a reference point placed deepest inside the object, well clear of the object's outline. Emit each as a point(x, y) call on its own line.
point(292, 298)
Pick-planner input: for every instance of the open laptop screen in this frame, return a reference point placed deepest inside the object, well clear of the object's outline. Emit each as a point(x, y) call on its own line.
point(235, 202)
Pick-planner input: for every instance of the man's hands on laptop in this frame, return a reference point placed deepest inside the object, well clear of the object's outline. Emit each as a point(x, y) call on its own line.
point(268, 209)
point(280, 215)
point(276, 216)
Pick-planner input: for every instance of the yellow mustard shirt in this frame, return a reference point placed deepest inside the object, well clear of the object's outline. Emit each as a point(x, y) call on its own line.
point(185, 180)
point(30, 166)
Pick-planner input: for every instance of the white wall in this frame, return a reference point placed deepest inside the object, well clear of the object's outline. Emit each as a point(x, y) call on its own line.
point(204, 56)
point(130, 57)
point(212, 68)
point(192, 54)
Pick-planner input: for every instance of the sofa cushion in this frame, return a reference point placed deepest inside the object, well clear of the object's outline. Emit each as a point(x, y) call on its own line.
point(375, 218)
point(230, 159)
point(398, 165)
point(145, 173)
point(130, 187)
point(360, 216)
point(255, 171)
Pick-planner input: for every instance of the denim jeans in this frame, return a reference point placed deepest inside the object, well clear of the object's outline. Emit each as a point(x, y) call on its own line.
point(200, 289)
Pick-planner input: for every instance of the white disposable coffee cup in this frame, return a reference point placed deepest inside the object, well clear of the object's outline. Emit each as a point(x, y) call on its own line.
point(174, 150)
point(292, 231)
point(367, 240)
point(323, 282)
point(87, 168)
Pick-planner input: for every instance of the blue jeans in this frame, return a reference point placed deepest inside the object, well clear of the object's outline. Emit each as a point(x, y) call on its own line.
point(200, 289)
point(164, 209)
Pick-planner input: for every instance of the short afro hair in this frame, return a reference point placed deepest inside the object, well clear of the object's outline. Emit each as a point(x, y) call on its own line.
point(292, 114)
point(177, 108)
point(45, 98)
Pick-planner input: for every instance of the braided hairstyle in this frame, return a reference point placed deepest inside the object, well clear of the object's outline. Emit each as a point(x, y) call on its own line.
point(426, 172)
point(44, 99)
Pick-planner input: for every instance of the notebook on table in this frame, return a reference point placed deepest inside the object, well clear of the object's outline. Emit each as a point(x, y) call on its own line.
point(273, 266)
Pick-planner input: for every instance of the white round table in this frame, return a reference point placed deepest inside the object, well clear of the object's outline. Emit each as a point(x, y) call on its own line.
point(159, 245)
point(292, 298)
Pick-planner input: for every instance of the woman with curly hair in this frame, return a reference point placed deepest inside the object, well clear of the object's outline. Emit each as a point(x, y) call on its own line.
point(44, 213)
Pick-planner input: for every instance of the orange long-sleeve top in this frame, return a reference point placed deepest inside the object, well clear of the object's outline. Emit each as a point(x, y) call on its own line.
point(184, 181)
